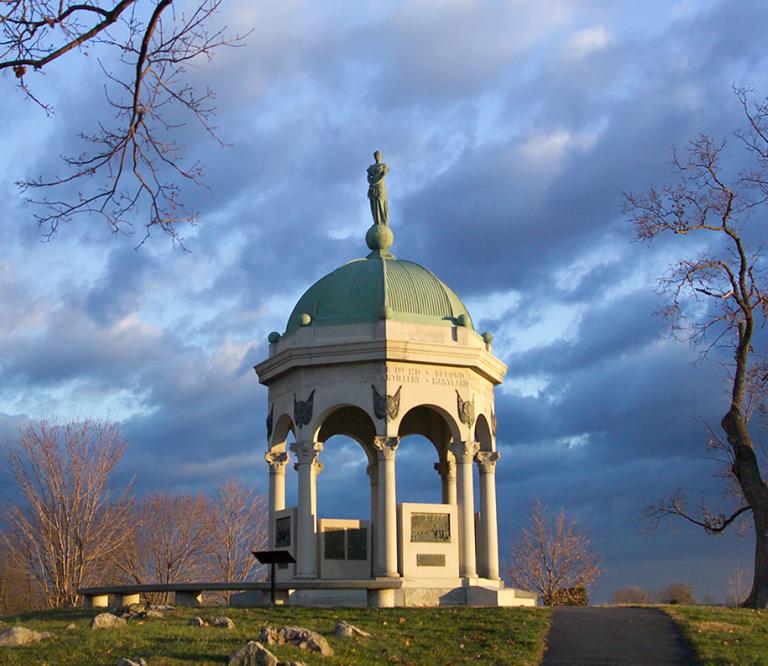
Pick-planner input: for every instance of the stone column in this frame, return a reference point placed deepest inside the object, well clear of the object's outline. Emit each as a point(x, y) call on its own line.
point(373, 475)
point(447, 471)
point(464, 453)
point(276, 461)
point(489, 561)
point(308, 468)
point(386, 533)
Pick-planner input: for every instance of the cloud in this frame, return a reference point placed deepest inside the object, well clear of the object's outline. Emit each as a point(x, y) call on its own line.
point(511, 133)
point(587, 42)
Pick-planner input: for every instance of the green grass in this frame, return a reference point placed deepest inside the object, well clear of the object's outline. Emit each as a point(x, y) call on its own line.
point(442, 636)
point(736, 636)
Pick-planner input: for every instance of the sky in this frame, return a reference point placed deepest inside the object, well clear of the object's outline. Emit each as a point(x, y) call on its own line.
point(512, 130)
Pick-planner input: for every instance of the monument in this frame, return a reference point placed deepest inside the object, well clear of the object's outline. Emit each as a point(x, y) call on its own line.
point(377, 350)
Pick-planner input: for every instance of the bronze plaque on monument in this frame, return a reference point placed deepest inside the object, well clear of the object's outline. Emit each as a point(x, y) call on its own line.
point(430, 560)
point(430, 528)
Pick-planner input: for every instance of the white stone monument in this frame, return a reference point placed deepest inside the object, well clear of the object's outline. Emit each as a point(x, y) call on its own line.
point(377, 350)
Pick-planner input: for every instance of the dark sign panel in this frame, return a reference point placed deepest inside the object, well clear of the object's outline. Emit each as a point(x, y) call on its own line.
point(334, 544)
point(346, 543)
point(430, 528)
point(357, 544)
point(283, 532)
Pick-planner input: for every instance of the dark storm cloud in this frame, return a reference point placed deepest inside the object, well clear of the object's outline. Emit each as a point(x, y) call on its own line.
point(604, 333)
point(511, 134)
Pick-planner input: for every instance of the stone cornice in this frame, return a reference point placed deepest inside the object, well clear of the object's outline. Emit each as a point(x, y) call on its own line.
point(382, 350)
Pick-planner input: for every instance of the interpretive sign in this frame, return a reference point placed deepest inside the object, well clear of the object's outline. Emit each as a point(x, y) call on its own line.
point(430, 528)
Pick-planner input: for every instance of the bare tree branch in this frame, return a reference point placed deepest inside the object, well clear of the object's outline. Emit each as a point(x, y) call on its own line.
point(720, 293)
point(131, 162)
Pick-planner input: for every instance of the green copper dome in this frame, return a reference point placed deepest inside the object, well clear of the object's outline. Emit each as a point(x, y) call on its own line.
point(379, 287)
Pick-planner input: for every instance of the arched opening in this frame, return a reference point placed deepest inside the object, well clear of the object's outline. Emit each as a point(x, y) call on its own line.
point(483, 433)
point(346, 498)
point(426, 473)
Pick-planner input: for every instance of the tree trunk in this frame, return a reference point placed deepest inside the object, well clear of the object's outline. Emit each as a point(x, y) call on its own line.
point(758, 596)
point(747, 470)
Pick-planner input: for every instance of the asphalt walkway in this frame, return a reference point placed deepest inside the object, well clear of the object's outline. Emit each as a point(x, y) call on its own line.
point(607, 636)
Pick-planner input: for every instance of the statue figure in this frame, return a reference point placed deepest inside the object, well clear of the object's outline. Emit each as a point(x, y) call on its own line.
point(377, 190)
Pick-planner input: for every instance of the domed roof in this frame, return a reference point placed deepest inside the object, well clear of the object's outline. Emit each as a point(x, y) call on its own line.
point(379, 287)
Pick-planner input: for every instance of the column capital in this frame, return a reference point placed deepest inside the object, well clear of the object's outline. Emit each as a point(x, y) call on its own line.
point(464, 451)
point(276, 461)
point(486, 461)
point(386, 447)
point(315, 466)
point(306, 452)
point(373, 473)
point(446, 468)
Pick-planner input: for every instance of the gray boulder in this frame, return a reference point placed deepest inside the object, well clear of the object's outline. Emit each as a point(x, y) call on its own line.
point(223, 623)
point(108, 621)
point(130, 662)
point(253, 654)
point(21, 636)
point(300, 637)
point(132, 610)
point(347, 630)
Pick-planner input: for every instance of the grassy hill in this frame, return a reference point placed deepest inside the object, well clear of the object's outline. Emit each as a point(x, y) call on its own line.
point(725, 635)
point(398, 636)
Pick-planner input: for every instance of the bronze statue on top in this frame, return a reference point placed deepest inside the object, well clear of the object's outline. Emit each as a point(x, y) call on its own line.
point(377, 190)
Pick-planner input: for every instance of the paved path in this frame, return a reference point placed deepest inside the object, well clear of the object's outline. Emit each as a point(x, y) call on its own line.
point(607, 636)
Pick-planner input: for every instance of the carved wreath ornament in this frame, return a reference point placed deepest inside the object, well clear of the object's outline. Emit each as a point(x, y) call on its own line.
point(386, 405)
point(302, 410)
point(466, 410)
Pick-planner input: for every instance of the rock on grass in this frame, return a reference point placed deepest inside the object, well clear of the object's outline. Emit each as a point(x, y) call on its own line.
point(347, 630)
point(21, 636)
point(297, 636)
point(108, 621)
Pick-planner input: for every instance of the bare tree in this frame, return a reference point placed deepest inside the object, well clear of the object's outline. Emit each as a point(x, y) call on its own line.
point(67, 526)
point(717, 299)
point(631, 595)
point(553, 558)
point(144, 48)
point(676, 594)
point(239, 528)
point(737, 587)
point(18, 590)
point(172, 540)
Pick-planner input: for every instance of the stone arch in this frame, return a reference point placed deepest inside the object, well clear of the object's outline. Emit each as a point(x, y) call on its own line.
point(483, 433)
point(282, 427)
point(351, 421)
point(432, 422)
